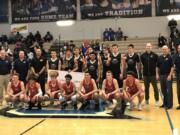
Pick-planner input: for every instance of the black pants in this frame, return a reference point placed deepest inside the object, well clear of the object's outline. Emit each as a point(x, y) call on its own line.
point(42, 80)
point(147, 81)
point(166, 88)
point(178, 87)
point(117, 77)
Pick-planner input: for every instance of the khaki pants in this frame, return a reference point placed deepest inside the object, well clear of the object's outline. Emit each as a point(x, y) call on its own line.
point(4, 80)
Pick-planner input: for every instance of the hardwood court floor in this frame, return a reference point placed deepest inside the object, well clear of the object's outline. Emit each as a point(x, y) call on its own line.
point(154, 122)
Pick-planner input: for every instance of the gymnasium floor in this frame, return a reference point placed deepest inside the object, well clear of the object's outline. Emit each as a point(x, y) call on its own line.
point(153, 121)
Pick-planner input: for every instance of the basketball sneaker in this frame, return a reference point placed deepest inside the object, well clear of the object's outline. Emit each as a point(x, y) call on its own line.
point(156, 103)
point(139, 107)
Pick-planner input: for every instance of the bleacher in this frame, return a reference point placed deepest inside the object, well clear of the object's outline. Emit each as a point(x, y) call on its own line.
point(139, 44)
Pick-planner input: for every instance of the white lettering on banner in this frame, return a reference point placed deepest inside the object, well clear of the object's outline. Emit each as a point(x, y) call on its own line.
point(123, 13)
point(174, 10)
point(77, 77)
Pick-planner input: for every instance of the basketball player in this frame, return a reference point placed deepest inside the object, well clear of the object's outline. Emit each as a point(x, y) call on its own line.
point(132, 88)
point(88, 89)
point(68, 61)
point(34, 93)
point(15, 90)
point(110, 88)
point(53, 88)
point(104, 59)
point(132, 60)
point(116, 65)
point(93, 66)
point(68, 92)
point(53, 63)
point(78, 60)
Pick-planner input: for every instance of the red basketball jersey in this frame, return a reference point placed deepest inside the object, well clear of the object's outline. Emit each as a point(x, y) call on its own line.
point(16, 89)
point(68, 88)
point(88, 87)
point(132, 89)
point(109, 87)
point(54, 86)
point(32, 89)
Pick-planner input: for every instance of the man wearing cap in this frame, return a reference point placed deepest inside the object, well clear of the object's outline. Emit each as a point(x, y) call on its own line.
point(132, 88)
point(68, 92)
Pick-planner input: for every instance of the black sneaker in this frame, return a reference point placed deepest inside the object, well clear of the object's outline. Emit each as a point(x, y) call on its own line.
point(167, 108)
point(30, 106)
point(63, 106)
point(96, 107)
point(84, 106)
point(178, 108)
point(162, 106)
point(39, 106)
point(75, 106)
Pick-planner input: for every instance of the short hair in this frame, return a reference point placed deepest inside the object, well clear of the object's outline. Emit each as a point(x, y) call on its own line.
point(76, 48)
point(93, 53)
point(53, 74)
point(68, 76)
point(68, 50)
point(53, 50)
point(15, 74)
point(131, 45)
point(109, 72)
point(87, 72)
point(32, 77)
point(114, 45)
point(131, 73)
point(165, 46)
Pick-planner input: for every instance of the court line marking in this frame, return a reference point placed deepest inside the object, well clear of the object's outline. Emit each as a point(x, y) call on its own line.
point(30, 128)
point(168, 116)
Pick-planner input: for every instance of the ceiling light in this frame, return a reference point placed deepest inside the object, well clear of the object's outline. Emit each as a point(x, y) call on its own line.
point(65, 23)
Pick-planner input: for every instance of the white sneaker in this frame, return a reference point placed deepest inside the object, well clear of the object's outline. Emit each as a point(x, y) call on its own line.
point(156, 103)
point(128, 104)
point(139, 107)
point(147, 102)
point(132, 105)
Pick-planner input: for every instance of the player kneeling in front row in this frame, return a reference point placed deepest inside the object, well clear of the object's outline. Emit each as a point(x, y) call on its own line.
point(53, 88)
point(34, 93)
point(15, 90)
point(110, 89)
point(88, 92)
point(132, 88)
point(68, 93)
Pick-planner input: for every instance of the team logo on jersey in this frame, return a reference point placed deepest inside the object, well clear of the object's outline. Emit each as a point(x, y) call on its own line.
point(92, 68)
point(130, 62)
point(115, 61)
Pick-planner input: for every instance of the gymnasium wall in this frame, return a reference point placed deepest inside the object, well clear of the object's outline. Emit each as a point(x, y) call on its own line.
point(93, 29)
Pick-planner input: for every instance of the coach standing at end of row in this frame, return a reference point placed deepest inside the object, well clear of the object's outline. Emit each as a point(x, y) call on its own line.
point(5, 70)
point(164, 73)
point(177, 66)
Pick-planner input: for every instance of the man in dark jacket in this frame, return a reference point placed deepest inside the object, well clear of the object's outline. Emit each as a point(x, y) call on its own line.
point(149, 61)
